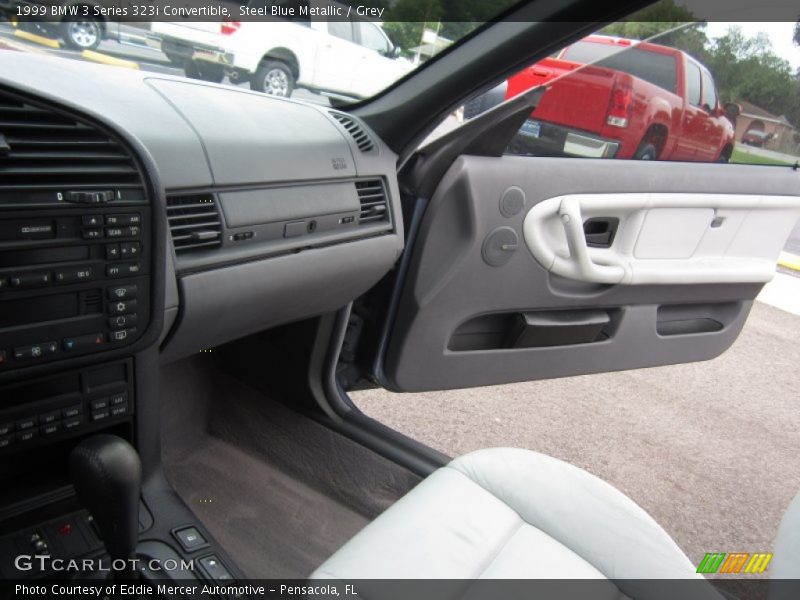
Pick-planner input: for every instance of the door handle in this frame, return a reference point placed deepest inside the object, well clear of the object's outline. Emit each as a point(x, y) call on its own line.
point(569, 213)
point(599, 231)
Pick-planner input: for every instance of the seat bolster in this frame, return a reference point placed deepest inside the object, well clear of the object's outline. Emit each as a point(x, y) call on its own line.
point(786, 559)
point(584, 513)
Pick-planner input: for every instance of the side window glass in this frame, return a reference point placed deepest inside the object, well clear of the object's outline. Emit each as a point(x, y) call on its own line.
point(709, 94)
point(372, 38)
point(632, 90)
point(693, 84)
point(341, 29)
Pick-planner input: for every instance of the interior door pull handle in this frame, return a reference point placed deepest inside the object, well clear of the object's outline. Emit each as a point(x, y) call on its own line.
point(569, 212)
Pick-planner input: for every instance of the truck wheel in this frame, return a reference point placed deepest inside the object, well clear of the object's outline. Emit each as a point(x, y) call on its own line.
point(82, 34)
point(646, 151)
point(204, 71)
point(273, 77)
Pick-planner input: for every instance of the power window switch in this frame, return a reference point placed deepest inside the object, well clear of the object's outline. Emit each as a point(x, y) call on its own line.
point(190, 538)
point(214, 568)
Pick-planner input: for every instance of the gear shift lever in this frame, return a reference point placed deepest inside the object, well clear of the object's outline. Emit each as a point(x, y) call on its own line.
point(107, 474)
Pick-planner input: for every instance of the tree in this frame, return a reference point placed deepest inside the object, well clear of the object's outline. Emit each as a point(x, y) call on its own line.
point(746, 68)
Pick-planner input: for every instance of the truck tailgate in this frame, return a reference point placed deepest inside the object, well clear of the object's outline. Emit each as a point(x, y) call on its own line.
point(579, 100)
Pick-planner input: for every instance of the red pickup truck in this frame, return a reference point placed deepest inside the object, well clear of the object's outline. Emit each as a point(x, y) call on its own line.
point(612, 97)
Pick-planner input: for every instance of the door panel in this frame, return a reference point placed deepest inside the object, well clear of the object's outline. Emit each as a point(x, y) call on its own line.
point(478, 308)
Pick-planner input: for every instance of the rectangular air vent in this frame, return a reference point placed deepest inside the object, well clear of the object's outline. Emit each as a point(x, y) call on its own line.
point(194, 222)
point(373, 200)
point(45, 150)
point(356, 131)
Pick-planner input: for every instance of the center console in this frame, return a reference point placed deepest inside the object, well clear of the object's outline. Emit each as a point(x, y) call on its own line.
point(78, 276)
point(82, 269)
point(75, 274)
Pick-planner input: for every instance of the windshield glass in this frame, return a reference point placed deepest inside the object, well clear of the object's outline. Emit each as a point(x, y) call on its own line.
point(322, 51)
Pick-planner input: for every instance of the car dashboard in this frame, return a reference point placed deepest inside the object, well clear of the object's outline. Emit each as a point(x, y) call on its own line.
point(146, 218)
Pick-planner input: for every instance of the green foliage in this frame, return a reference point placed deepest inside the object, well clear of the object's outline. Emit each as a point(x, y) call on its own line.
point(748, 69)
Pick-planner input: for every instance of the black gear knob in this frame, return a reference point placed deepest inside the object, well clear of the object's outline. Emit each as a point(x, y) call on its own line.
point(107, 474)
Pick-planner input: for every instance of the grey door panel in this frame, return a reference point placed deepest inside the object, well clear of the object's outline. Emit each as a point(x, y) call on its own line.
point(478, 309)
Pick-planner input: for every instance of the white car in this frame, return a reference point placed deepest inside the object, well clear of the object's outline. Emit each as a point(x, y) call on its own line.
point(352, 58)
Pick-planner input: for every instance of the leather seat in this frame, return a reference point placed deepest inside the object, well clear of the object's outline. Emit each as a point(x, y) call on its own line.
point(509, 513)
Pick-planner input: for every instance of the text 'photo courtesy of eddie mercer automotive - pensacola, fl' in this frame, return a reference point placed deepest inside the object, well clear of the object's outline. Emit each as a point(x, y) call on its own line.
point(389, 299)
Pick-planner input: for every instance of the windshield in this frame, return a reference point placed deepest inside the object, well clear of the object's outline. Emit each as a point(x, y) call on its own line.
point(322, 51)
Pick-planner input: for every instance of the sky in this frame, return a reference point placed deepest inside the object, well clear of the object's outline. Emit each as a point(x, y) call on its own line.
point(780, 34)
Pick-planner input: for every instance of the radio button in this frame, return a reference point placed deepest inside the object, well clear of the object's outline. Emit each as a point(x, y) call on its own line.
point(122, 307)
point(6, 428)
point(92, 234)
point(123, 269)
point(28, 280)
point(132, 231)
point(122, 292)
point(5, 441)
point(92, 220)
point(121, 335)
point(83, 341)
point(114, 232)
point(112, 252)
point(127, 219)
point(122, 321)
point(130, 250)
point(73, 275)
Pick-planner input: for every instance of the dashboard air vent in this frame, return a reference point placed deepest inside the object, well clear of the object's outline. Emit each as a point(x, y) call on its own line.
point(355, 130)
point(374, 203)
point(45, 151)
point(194, 222)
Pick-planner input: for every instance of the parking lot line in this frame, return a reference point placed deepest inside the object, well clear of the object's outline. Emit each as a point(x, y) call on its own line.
point(789, 261)
point(109, 60)
point(37, 39)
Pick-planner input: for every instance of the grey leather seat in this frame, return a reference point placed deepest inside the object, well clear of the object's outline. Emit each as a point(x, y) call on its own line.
point(509, 513)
